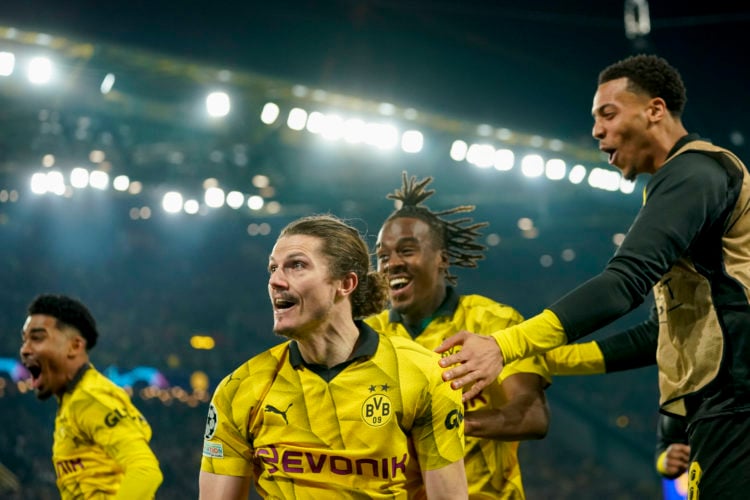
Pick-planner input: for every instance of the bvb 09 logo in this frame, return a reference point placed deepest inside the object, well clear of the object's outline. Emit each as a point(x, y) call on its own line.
point(377, 410)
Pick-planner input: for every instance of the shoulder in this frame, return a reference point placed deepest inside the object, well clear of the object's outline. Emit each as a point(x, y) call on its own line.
point(481, 309)
point(378, 322)
point(256, 372)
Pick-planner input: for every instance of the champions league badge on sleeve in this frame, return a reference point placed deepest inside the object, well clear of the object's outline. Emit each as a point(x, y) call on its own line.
point(211, 422)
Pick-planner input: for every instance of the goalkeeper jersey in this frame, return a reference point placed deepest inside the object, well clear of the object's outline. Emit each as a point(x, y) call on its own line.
point(363, 429)
point(98, 432)
point(492, 467)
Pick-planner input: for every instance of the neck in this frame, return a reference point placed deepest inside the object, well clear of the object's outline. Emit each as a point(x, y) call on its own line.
point(331, 344)
point(416, 317)
point(665, 141)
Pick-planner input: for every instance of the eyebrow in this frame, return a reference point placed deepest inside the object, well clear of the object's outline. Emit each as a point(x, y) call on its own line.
point(601, 108)
point(293, 255)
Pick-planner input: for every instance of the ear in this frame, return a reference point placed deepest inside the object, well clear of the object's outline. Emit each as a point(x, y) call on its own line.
point(444, 262)
point(348, 284)
point(76, 346)
point(657, 110)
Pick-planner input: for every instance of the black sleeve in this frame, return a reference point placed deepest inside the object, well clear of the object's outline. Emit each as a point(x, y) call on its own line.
point(632, 348)
point(669, 430)
point(685, 196)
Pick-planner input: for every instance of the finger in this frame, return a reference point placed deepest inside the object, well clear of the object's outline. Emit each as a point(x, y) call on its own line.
point(452, 341)
point(455, 372)
point(472, 391)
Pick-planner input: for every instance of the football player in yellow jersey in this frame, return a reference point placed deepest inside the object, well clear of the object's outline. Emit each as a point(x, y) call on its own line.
point(100, 447)
point(415, 249)
point(337, 411)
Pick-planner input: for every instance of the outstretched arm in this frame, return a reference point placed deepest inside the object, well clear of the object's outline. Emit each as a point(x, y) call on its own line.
point(524, 416)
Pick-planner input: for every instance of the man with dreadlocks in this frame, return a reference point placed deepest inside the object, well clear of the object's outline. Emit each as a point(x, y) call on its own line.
point(415, 249)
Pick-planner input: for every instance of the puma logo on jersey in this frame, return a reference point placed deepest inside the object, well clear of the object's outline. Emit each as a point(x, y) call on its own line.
point(273, 409)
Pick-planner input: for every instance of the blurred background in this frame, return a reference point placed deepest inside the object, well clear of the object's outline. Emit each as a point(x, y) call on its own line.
point(151, 151)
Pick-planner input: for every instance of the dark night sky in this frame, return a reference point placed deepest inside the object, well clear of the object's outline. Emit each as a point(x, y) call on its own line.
point(530, 66)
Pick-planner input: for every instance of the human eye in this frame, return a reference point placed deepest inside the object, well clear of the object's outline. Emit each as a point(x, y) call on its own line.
point(272, 268)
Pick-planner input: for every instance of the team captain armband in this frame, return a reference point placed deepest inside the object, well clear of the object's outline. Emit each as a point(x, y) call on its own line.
point(576, 359)
point(536, 335)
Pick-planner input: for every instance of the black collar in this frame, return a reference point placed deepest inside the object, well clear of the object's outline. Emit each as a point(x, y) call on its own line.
point(447, 308)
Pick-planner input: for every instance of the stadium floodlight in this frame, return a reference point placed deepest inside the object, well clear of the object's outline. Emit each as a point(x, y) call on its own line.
point(79, 177)
point(504, 159)
point(191, 207)
point(7, 63)
point(99, 179)
point(235, 199)
point(172, 202)
point(296, 119)
point(39, 183)
point(458, 150)
point(316, 122)
point(481, 155)
point(39, 70)
point(626, 186)
point(577, 174)
point(333, 127)
point(261, 181)
point(121, 183)
point(412, 141)
point(354, 130)
point(270, 113)
point(382, 136)
point(532, 165)
point(255, 202)
point(107, 83)
point(608, 180)
point(555, 169)
point(218, 104)
point(214, 197)
point(55, 182)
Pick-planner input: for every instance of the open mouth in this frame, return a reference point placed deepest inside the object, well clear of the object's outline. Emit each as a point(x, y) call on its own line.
point(283, 303)
point(398, 283)
point(610, 153)
point(36, 371)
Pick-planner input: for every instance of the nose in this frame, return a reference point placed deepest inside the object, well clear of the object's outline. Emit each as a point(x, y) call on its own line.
point(276, 280)
point(597, 131)
point(25, 349)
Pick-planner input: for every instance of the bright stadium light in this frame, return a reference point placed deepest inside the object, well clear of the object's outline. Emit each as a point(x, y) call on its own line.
point(172, 202)
point(412, 141)
point(121, 183)
point(555, 169)
point(296, 119)
point(7, 63)
point(255, 202)
point(39, 70)
point(459, 150)
point(315, 122)
point(55, 183)
point(218, 104)
point(191, 207)
point(604, 179)
point(627, 186)
point(107, 83)
point(381, 135)
point(481, 155)
point(270, 113)
point(333, 127)
point(235, 199)
point(39, 183)
point(354, 130)
point(504, 159)
point(214, 197)
point(79, 177)
point(99, 179)
point(577, 174)
point(532, 165)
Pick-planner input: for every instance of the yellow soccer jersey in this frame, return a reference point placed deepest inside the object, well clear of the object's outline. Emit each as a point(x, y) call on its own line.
point(363, 429)
point(98, 431)
point(492, 467)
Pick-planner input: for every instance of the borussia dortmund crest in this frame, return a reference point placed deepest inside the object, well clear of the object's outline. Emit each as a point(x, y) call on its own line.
point(377, 410)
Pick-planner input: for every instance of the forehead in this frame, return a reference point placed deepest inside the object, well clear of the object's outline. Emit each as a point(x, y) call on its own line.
point(404, 227)
point(296, 244)
point(36, 322)
point(613, 92)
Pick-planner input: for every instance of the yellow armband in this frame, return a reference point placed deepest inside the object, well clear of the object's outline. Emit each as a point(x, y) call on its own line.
point(661, 463)
point(536, 335)
point(576, 359)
